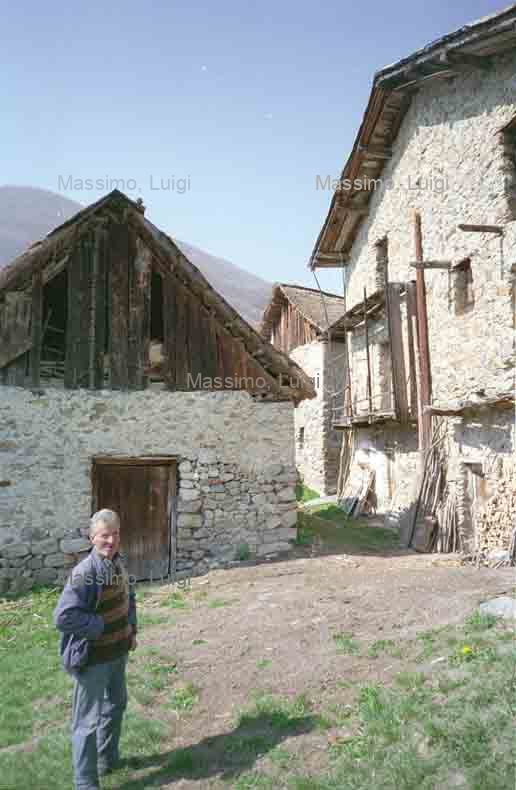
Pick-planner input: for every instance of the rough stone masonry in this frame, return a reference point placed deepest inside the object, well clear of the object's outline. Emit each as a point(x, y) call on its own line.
point(236, 473)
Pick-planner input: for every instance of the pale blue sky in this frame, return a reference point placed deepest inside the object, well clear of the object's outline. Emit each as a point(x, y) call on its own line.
point(251, 102)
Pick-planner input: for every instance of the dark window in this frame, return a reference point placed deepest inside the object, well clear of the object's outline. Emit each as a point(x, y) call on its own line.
point(301, 438)
point(55, 311)
point(157, 324)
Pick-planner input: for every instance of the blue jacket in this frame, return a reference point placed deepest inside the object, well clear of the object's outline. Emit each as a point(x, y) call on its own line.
point(74, 615)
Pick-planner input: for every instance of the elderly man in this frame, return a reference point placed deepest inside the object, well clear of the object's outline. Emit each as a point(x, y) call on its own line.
point(96, 615)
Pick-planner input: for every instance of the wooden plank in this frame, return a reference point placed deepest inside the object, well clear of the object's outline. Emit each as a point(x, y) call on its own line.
point(74, 300)
point(496, 229)
point(15, 373)
point(119, 305)
point(139, 312)
point(411, 325)
point(194, 337)
point(212, 359)
point(169, 327)
point(145, 460)
point(425, 378)
point(431, 265)
point(368, 357)
point(15, 334)
point(85, 339)
point(36, 329)
point(181, 337)
point(399, 378)
point(100, 273)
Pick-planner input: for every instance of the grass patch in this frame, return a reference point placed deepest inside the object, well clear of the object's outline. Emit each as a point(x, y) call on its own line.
point(352, 534)
point(279, 713)
point(305, 536)
point(175, 600)
point(384, 646)
point(266, 662)
point(243, 552)
point(184, 697)
point(305, 494)
point(345, 643)
point(218, 603)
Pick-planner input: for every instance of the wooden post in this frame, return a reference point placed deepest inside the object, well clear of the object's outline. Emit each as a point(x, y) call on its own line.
point(411, 316)
point(425, 394)
point(369, 384)
point(37, 329)
point(399, 376)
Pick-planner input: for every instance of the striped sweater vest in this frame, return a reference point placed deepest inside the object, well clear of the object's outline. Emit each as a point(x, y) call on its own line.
point(113, 607)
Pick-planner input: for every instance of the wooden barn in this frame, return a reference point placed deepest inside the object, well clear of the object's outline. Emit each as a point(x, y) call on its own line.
point(129, 382)
point(302, 322)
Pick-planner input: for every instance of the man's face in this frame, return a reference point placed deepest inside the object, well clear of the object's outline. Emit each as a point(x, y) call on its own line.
point(106, 540)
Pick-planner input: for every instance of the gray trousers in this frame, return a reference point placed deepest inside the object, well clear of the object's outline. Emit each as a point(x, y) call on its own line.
point(99, 702)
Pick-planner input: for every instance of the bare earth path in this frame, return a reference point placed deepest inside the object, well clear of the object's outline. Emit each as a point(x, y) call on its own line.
point(272, 628)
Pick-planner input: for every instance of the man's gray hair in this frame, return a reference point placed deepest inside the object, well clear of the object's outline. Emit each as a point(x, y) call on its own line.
point(106, 518)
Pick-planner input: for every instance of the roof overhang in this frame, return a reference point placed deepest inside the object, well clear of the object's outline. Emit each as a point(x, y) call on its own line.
point(470, 47)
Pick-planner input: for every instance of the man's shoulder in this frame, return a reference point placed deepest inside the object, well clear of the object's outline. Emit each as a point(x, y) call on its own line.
point(86, 566)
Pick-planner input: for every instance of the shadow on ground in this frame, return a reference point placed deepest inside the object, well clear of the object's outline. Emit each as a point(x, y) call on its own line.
point(223, 756)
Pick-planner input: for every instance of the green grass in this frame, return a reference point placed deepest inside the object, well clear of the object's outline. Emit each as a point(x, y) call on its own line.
point(351, 535)
point(243, 552)
point(218, 603)
point(346, 644)
point(429, 727)
point(305, 535)
point(175, 600)
point(184, 697)
point(305, 494)
point(384, 646)
point(279, 712)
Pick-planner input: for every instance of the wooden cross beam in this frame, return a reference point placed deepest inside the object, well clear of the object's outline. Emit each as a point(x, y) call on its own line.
point(482, 229)
point(431, 264)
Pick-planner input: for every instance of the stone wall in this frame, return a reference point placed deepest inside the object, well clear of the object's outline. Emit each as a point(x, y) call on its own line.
point(480, 452)
point(236, 473)
point(317, 444)
point(392, 452)
point(448, 163)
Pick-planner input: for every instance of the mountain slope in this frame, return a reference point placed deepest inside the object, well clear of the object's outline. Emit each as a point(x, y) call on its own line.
point(27, 214)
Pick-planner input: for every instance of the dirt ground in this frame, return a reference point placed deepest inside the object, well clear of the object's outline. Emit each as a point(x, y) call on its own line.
point(271, 628)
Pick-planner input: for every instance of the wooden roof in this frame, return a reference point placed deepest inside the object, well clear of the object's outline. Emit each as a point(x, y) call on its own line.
point(320, 308)
point(289, 379)
point(470, 47)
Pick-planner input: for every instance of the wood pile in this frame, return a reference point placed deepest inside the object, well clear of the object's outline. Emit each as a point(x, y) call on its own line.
point(359, 492)
point(436, 508)
point(495, 525)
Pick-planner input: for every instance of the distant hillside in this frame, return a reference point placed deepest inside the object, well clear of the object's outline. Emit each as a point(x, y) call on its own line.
point(27, 214)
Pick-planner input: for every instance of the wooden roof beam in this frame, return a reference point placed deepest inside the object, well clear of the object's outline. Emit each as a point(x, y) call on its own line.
point(375, 152)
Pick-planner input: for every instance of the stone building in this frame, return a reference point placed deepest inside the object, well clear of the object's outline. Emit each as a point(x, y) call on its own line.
point(299, 321)
point(423, 220)
point(128, 382)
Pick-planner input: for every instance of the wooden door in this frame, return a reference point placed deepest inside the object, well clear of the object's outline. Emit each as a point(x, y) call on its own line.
point(141, 493)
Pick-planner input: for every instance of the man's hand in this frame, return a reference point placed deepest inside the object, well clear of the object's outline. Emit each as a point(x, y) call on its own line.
point(133, 644)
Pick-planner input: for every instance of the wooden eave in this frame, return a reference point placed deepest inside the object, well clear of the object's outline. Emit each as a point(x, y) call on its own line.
point(354, 317)
point(471, 47)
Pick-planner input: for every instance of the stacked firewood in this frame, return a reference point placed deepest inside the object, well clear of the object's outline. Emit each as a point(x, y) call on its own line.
point(496, 522)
